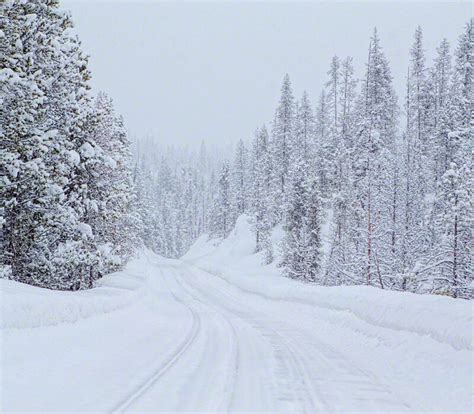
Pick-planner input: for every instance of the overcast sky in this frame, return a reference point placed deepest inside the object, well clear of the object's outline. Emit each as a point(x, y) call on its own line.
point(184, 72)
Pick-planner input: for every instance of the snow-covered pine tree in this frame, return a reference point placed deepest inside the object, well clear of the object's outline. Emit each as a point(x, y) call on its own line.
point(301, 246)
point(111, 194)
point(58, 251)
point(49, 154)
point(312, 228)
point(347, 94)
point(300, 249)
point(332, 143)
point(440, 76)
point(303, 147)
point(449, 267)
point(417, 162)
point(239, 180)
point(221, 208)
point(337, 258)
point(282, 136)
point(203, 193)
point(293, 248)
point(25, 140)
point(376, 115)
point(322, 143)
point(260, 199)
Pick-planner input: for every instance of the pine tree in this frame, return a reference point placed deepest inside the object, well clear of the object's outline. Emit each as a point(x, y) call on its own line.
point(111, 192)
point(343, 153)
point(333, 139)
point(322, 144)
point(25, 141)
point(50, 159)
point(239, 182)
point(375, 136)
point(261, 177)
point(301, 254)
point(303, 147)
point(440, 77)
point(312, 227)
point(222, 217)
point(53, 247)
point(449, 267)
point(282, 137)
point(417, 161)
point(293, 248)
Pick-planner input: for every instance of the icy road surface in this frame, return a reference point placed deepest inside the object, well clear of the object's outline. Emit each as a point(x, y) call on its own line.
point(167, 336)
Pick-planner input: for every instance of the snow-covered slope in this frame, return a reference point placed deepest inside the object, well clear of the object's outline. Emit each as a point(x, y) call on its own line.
point(84, 351)
point(25, 306)
point(444, 319)
point(419, 346)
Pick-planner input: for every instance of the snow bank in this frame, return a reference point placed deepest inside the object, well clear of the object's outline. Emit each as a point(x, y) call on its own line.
point(25, 306)
point(444, 319)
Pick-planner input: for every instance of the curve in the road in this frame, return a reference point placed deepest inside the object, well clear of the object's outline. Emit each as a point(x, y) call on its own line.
point(301, 361)
point(295, 367)
point(191, 335)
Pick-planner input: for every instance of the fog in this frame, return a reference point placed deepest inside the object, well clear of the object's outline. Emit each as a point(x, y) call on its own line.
point(186, 72)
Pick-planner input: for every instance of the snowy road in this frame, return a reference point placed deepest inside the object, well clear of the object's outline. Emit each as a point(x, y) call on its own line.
point(242, 352)
point(194, 341)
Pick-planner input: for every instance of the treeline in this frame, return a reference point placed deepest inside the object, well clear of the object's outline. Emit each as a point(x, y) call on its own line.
point(399, 205)
point(66, 194)
point(175, 187)
point(390, 183)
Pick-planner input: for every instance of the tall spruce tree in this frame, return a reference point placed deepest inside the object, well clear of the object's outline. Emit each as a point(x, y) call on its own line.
point(375, 136)
point(261, 176)
point(282, 137)
point(239, 179)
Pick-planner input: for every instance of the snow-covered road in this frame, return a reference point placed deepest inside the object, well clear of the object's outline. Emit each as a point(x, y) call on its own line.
point(189, 340)
point(243, 352)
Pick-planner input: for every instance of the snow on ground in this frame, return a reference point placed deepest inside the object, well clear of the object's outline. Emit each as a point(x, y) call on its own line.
point(218, 332)
point(83, 351)
point(442, 318)
point(422, 344)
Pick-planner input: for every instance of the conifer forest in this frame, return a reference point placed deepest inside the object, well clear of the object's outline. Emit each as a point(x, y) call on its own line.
point(351, 211)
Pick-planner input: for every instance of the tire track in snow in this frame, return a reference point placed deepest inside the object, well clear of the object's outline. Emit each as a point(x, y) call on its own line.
point(297, 369)
point(133, 396)
point(329, 360)
point(323, 354)
point(228, 398)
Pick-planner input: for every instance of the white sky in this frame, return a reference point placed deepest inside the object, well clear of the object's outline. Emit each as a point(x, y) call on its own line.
point(184, 72)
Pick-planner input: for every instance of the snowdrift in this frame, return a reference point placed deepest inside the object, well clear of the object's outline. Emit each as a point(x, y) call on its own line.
point(444, 319)
point(25, 306)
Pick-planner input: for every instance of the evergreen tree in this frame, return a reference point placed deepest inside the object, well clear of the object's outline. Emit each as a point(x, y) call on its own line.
point(222, 221)
point(49, 244)
point(301, 255)
point(304, 136)
point(49, 158)
point(440, 77)
point(282, 137)
point(376, 114)
point(449, 267)
point(260, 196)
point(343, 153)
point(112, 196)
point(416, 160)
point(239, 182)
point(322, 144)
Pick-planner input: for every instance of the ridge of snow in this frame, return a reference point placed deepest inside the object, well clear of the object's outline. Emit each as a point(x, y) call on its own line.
point(24, 306)
point(445, 320)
